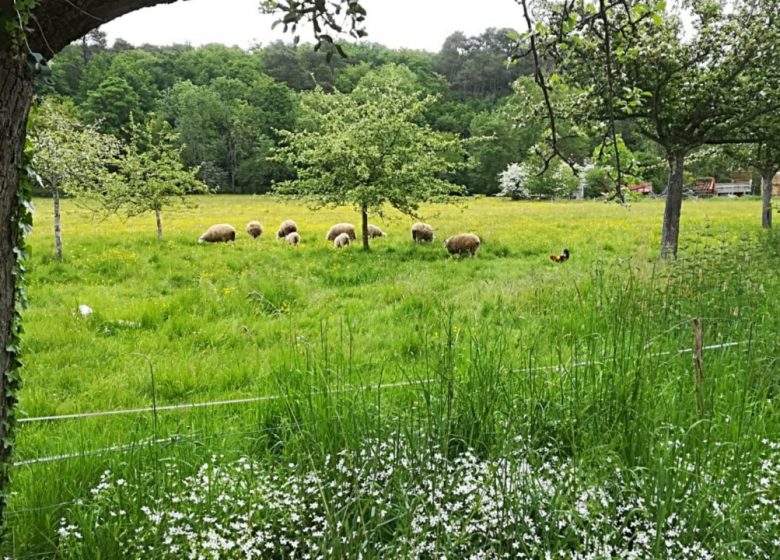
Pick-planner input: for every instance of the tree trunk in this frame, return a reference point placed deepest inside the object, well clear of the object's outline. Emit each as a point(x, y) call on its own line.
point(56, 24)
point(159, 223)
point(15, 99)
point(766, 197)
point(232, 161)
point(674, 192)
point(84, 50)
point(57, 225)
point(364, 215)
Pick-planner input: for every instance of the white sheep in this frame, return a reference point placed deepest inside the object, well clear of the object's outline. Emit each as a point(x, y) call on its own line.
point(337, 229)
point(463, 243)
point(219, 233)
point(286, 228)
point(293, 238)
point(422, 232)
point(374, 232)
point(255, 229)
point(342, 240)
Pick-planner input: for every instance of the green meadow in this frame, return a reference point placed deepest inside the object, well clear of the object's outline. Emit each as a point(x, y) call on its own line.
point(407, 357)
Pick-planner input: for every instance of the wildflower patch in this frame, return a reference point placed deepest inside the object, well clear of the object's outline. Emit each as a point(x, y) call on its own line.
point(389, 499)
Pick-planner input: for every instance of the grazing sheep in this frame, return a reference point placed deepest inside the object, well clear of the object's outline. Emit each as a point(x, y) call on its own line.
point(342, 240)
point(255, 229)
point(374, 232)
point(463, 243)
point(286, 228)
point(219, 233)
point(338, 229)
point(293, 238)
point(422, 232)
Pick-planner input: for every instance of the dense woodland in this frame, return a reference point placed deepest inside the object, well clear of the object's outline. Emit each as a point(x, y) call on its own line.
point(227, 105)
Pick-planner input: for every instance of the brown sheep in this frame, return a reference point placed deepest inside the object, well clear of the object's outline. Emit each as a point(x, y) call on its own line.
point(255, 229)
point(293, 238)
point(286, 228)
point(374, 232)
point(219, 233)
point(342, 240)
point(338, 229)
point(422, 232)
point(463, 243)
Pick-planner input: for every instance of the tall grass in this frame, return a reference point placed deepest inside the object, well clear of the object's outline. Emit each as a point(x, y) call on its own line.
point(557, 417)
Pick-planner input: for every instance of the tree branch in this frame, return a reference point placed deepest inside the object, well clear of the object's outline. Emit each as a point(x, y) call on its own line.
point(59, 22)
point(610, 100)
point(542, 83)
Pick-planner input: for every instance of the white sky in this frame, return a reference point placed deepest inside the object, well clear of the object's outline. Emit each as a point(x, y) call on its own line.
point(414, 24)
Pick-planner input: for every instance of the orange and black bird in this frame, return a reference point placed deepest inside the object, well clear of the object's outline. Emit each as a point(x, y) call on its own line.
point(560, 258)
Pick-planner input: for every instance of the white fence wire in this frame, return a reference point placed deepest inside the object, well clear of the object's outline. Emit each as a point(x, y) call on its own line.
point(185, 406)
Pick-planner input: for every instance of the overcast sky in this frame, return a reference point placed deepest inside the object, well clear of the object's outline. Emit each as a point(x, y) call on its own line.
point(414, 24)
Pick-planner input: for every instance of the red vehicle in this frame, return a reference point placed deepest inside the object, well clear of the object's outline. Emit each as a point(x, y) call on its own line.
point(641, 188)
point(704, 186)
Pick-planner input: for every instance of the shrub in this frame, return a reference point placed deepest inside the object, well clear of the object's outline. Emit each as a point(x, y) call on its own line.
point(526, 181)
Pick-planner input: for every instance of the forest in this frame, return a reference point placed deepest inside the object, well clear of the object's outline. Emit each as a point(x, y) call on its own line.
point(228, 105)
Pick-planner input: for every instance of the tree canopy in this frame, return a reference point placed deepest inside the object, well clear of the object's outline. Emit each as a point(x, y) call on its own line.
point(70, 158)
point(370, 147)
point(681, 88)
point(227, 103)
point(151, 175)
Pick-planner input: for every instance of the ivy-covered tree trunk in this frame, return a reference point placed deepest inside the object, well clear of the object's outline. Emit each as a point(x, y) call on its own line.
point(56, 24)
point(674, 192)
point(57, 224)
point(364, 225)
point(159, 223)
point(15, 98)
point(766, 197)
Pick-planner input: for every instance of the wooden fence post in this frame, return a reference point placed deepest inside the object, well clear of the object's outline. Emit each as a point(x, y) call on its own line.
point(698, 370)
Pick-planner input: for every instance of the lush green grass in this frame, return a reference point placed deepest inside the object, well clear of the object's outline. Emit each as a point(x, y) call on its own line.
point(259, 318)
point(213, 317)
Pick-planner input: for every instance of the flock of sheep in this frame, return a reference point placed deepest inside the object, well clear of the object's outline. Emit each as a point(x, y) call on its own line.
point(341, 235)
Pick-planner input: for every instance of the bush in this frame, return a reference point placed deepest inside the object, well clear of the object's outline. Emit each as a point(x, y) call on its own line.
point(526, 181)
point(513, 181)
point(596, 181)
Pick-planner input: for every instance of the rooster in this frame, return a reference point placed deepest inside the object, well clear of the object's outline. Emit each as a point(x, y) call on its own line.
point(560, 258)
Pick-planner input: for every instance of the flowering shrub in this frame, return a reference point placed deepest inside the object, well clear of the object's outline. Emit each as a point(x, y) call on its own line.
point(392, 500)
point(524, 181)
point(513, 181)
